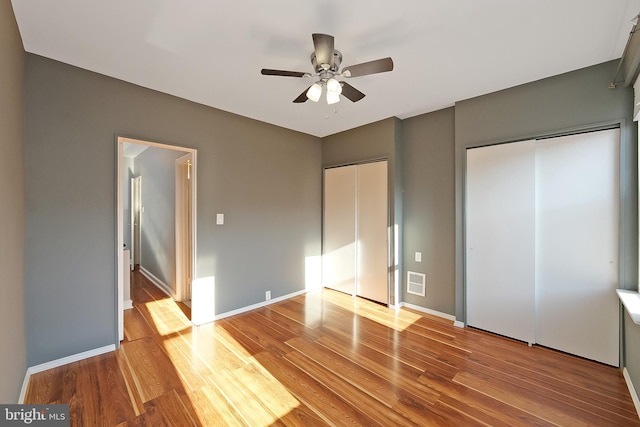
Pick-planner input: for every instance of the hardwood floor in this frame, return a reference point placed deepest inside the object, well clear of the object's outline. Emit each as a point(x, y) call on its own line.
point(326, 359)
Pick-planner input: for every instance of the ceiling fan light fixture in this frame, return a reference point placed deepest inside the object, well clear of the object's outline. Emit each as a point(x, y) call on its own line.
point(333, 97)
point(314, 92)
point(333, 86)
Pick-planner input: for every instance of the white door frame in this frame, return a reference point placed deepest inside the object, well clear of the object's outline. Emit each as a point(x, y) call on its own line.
point(185, 218)
point(136, 184)
point(120, 141)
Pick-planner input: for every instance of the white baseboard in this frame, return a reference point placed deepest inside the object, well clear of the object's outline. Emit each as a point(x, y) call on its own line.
point(127, 305)
point(61, 362)
point(258, 305)
point(70, 359)
point(458, 324)
point(433, 313)
point(159, 283)
point(632, 390)
point(25, 385)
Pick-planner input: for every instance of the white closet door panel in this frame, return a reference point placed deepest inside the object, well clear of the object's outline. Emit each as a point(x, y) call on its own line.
point(372, 222)
point(577, 244)
point(500, 239)
point(339, 240)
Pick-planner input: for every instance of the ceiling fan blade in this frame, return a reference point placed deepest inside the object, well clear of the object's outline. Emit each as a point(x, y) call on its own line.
point(323, 44)
point(351, 93)
point(302, 97)
point(371, 67)
point(268, 72)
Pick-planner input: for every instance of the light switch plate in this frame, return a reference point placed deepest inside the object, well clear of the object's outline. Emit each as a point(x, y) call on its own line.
point(220, 219)
point(418, 256)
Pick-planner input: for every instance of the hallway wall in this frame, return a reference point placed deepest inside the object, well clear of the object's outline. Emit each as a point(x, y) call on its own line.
point(12, 318)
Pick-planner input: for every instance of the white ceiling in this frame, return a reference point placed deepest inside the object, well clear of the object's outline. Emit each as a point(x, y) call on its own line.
point(211, 52)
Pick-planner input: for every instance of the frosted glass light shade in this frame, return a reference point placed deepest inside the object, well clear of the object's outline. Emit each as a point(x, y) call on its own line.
point(314, 92)
point(333, 97)
point(333, 86)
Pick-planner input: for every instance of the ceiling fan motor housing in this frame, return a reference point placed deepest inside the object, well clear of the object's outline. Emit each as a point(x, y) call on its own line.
point(337, 60)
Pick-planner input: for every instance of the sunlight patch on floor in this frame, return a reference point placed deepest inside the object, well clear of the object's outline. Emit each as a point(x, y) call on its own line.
point(400, 321)
point(166, 316)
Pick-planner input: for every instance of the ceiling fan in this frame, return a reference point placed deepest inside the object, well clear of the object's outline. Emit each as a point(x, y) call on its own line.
point(326, 62)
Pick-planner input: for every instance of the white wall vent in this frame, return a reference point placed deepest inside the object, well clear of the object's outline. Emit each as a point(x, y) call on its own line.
point(416, 283)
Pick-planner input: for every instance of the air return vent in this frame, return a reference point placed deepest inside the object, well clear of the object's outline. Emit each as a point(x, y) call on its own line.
point(416, 283)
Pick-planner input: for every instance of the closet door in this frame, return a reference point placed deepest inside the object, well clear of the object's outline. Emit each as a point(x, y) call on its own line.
point(372, 222)
point(500, 233)
point(339, 229)
point(577, 244)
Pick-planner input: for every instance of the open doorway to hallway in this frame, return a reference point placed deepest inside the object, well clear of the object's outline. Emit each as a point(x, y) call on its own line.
point(156, 187)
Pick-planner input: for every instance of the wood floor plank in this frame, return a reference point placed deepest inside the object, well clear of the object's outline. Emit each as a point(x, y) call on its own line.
point(326, 358)
point(554, 411)
point(96, 392)
point(168, 409)
point(212, 408)
point(394, 349)
point(351, 394)
point(269, 338)
point(333, 409)
point(590, 396)
point(191, 371)
point(285, 322)
point(152, 370)
point(253, 411)
point(476, 402)
point(45, 387)
point(135, 325)
point(132, 391)
point(280, 401)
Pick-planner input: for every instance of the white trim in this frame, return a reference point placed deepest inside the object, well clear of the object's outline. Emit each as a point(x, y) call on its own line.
point(428, 311)
point(120, 141)
point(70, 359)
point(456, 323)
point(632, 390)
point(159, 283)
point(185, 242)
point(631, 301)
point(258, 305)
point(25, 385)
point(119, 245)
point(128, 304)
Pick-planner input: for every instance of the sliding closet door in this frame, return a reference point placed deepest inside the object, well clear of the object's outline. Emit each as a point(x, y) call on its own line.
point(372, 246)
point(577, 244)
point(500, 239)
point(339, 229)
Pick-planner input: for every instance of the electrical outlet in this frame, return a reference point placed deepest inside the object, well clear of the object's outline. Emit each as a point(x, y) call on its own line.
point(267, 295)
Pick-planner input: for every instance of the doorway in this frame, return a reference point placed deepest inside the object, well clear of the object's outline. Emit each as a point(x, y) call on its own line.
point(132, 225)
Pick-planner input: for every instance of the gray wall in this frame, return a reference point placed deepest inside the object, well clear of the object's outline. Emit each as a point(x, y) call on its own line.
point(265, 179)
point(379, 140)
point(12, 323)
point(429, 207)
point(156, 167)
